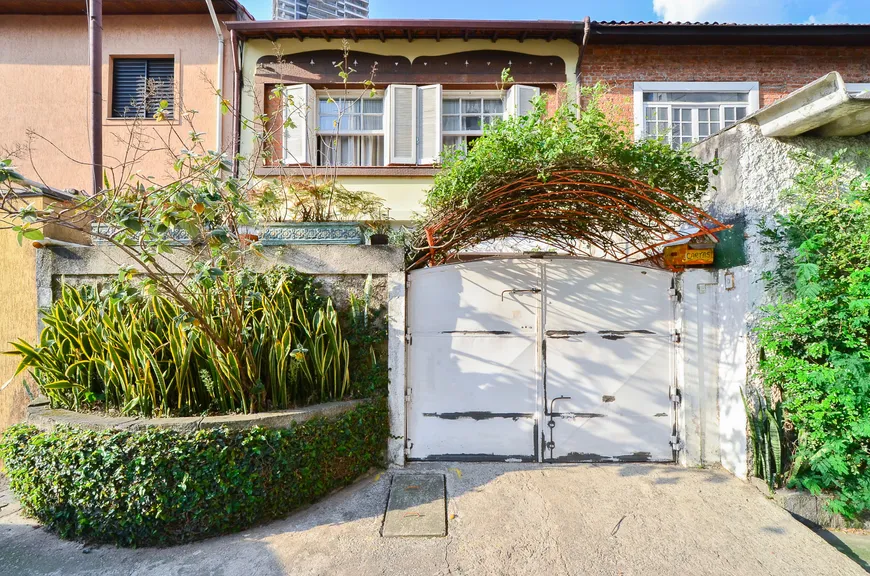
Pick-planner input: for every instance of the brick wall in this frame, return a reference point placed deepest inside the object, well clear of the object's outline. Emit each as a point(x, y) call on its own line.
point(778, 69)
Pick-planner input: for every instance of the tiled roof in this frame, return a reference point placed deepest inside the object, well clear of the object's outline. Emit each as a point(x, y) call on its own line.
point(610, 32)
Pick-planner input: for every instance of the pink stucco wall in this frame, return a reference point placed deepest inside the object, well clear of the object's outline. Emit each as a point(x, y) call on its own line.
point(44, 91)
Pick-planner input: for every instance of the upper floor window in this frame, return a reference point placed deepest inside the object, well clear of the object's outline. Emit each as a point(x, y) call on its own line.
point(682, 113)
point(350, 131)
point(140, 84)
point(404, 125)
point(463, 117)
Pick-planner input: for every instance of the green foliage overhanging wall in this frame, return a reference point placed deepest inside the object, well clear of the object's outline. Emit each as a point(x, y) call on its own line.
point(567, 178)
point(159, 487)
point(816, 340)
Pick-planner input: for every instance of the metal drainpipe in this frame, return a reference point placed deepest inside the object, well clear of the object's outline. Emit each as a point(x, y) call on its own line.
point(95, 41)
point(220, 76)
point(237, 100)
point(587, 25)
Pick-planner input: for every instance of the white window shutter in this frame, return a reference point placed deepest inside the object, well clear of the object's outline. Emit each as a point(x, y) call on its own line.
point(429, 110)
point(300, 140)
point(401, 130)
point(519, 100)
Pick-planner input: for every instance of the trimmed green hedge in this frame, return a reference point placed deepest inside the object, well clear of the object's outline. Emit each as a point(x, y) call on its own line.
point(159, 487)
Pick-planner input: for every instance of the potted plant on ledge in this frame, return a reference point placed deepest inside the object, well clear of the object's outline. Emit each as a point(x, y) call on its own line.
point(379, 229)
point(313, 211)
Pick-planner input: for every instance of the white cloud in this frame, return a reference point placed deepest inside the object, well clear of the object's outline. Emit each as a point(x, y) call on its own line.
point(833, 15)
point(741, 11)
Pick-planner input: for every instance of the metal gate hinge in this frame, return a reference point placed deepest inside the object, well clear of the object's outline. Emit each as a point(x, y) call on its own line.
point(675, 395)
point(676, 337)
point(407, 394)
point(676, 443)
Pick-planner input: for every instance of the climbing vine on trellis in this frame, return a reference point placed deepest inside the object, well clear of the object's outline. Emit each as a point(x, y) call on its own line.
point(571, 180)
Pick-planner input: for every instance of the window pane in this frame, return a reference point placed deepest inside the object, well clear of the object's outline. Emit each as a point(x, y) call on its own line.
point(703, 114)
point(714, 114)
point(656, 113)
point(493, 106)
point(327, 122)
point(362, 150)
point(471, 123)
point(729, 114)
point(327, 107)
point(741, 112)
point(471, 106)
point(450, 123)
point(352, 117)
point(699, 97)
point(454, 143)
point(450, 106)
point(372, 122)
point(373, 106)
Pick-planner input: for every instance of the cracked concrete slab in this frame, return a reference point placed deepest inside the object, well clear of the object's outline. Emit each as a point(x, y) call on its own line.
point(608, 519)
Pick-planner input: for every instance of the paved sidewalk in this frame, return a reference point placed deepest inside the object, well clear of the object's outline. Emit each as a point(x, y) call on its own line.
point(503, 519)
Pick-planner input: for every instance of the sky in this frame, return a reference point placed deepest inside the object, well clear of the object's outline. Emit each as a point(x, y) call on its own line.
point(744, 11)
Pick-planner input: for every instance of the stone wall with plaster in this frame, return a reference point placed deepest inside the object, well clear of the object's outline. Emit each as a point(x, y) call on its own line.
point(754, 172)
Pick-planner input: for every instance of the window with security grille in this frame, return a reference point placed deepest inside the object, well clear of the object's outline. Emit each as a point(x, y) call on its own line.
point(684, 117)
point(140, 84)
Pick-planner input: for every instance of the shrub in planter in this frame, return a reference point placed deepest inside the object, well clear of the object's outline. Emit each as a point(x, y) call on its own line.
point(121, 348)
point(159, 487)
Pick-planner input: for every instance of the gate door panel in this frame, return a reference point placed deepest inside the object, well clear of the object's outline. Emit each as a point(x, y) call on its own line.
point(473, 361)
point(608, 362)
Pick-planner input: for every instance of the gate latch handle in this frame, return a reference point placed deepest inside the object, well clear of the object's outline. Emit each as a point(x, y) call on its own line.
point(518, 290)
point(553, 401)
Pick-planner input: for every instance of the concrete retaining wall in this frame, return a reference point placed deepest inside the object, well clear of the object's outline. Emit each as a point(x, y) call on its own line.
point(43, 416)
point(31, 280)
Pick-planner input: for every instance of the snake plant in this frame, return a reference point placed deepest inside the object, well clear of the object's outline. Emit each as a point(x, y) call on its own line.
point(137, 354)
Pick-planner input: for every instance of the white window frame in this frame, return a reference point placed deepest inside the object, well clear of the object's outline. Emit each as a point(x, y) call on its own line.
point(854, 88)
point(469, 94)
point(323, 94)
point(641, 87)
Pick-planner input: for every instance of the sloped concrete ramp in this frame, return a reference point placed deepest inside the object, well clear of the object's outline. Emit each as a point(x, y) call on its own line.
point(614, 519)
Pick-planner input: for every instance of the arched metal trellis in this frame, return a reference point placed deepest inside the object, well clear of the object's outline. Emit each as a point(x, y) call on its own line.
point(585, 212)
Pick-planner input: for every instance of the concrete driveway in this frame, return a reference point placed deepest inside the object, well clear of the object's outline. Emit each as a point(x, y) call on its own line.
point(503, 519)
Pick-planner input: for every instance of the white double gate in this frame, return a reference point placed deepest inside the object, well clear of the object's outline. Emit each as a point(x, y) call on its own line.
point(548, 360)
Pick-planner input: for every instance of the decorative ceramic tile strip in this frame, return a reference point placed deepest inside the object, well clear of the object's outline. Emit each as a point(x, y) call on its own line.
point(311, 233)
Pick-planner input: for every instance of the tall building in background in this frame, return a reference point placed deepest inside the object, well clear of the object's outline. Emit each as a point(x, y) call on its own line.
point(319, 9)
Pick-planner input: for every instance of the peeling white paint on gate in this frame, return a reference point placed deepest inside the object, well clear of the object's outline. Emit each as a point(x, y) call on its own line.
point(540, 359)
